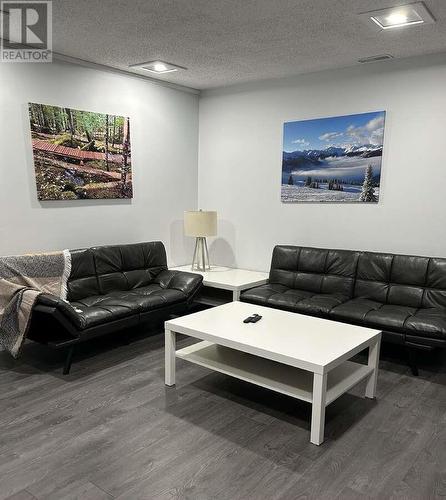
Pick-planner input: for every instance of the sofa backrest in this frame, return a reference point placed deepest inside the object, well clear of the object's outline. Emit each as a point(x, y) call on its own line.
point(100, 270)
point(317, 270)
point(404, 280)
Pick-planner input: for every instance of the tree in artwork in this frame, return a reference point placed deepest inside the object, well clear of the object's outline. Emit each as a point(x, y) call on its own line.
point(368, 189)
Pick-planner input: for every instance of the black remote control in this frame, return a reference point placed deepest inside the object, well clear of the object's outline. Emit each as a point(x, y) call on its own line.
point(252, 319)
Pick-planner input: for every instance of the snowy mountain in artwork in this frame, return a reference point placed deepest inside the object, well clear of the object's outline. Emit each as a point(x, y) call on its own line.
point(335, 159)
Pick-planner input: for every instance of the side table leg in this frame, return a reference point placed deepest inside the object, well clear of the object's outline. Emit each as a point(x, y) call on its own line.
point(318, 409)
point(170, 347)
point(235, 295)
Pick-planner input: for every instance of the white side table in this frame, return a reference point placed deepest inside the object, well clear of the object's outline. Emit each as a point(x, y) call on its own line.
point(228, 278)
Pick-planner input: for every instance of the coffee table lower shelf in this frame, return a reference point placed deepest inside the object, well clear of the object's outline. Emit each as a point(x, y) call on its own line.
point(278, 377)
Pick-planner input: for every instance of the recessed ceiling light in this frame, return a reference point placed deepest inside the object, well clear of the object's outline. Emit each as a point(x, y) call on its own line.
point(158, 67)
point(398, 17)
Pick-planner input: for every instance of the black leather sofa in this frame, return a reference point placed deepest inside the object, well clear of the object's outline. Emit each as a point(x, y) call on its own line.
point(404, 296)
point(111, 288)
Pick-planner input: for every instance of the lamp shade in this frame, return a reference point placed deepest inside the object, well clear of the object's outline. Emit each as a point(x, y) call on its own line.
point(200, 223)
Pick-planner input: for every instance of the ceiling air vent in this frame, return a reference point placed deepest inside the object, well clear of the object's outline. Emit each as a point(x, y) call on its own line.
point(372, 59)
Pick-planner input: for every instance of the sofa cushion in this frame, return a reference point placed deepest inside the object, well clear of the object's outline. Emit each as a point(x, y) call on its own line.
point(389, 316)
point(320, 304)
point(340, 270)
point(100, 270)
point(427, 323)
point(392, 279)
point(373, 314)
point(153, 296)
point(185, 282)
point(98, 309)
point(83, 281)
point(373, 276)
point(102, 309)
point(354, 310)
point(435, 291)
point(315, 270)
point(275, 295)
point(124, 267)
point(407, 280)
point(291, 299)
point(288, 299)
point(423, 322)
point(261, 294)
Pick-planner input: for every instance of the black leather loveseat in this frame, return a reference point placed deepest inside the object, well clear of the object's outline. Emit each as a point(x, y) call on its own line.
point(112, 288)
point(404, 296)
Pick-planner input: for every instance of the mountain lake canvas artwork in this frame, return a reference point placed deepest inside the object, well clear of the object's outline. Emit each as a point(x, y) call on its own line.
point(335, 159)
point(80, 154)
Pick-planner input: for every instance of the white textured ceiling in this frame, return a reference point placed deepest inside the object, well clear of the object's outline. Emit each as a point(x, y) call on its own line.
point(224, 42)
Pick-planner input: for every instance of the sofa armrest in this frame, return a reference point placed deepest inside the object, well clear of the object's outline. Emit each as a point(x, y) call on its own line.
point(188, 283)
point(48, 300)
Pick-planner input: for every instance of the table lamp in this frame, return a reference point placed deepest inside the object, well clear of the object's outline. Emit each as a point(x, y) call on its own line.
point(199, 224)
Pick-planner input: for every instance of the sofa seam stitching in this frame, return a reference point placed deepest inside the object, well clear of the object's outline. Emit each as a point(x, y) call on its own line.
point(390, 279)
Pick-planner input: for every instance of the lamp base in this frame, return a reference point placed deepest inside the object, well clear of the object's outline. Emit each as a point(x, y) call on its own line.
point(200, 261)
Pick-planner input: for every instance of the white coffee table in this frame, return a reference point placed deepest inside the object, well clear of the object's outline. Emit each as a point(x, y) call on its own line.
point(228, 278)
point(303, 357)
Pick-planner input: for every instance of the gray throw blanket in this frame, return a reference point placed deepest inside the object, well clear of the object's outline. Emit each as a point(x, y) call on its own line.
point(22, 279)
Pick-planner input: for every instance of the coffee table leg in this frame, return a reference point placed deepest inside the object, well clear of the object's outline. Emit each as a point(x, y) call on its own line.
point(235, 295)
point(170, 347)
point(370, 389)
point(318, 410)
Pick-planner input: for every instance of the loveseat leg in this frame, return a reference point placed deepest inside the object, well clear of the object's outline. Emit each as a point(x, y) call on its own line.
point(68, 360)
point(412, 355)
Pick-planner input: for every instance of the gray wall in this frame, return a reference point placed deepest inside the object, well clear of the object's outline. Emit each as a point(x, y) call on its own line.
point(239, 170)
point(164, 137)
point(240, 162)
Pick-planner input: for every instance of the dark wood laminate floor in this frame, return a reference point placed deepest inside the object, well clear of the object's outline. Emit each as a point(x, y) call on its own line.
point(112, 430)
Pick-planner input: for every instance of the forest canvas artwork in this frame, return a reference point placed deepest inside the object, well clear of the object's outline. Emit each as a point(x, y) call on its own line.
point(80, 154)
point(335, 159)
